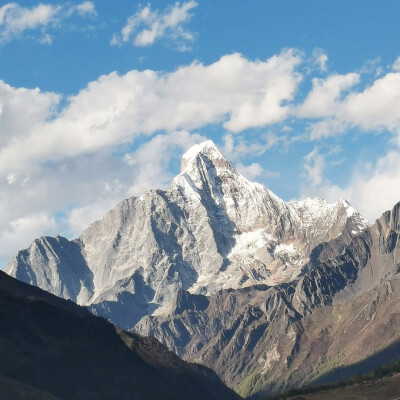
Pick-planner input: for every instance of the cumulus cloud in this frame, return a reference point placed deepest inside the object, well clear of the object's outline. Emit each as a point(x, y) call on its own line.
point(373, 109)
point(376, 107)
point(324, 98)
point(65, 160)
point(21, 110)
point(115, 109)
point(16, 20)
point(375, 188)
point(145, 27)
point(77, 162)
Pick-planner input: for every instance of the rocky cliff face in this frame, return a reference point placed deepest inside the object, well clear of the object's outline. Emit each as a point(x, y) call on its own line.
point(342, 311)
point(212, 230)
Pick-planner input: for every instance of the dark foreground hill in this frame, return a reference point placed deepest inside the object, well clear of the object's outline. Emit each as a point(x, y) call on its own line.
point(53, 349)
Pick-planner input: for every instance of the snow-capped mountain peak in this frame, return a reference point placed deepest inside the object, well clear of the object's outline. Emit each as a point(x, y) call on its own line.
point(211, 230)
point(206, 149)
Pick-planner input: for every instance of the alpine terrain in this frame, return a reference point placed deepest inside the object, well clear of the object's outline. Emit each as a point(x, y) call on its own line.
point(52, 349)
point(270, 294)
point(211, 230)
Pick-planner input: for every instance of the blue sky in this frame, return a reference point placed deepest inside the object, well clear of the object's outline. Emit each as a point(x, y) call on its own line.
point(99, 99)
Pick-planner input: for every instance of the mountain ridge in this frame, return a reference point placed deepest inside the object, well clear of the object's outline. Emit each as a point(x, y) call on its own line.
point(217, 268)
point(211, 230)
point(272, 338)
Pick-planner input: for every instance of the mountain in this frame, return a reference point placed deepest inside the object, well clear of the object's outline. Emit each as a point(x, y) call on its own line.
point(211, 231)
point(340, 317)
point(53, 349)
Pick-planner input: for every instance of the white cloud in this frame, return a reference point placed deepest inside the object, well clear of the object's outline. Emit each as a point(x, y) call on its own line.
point(371, 66)
point(15, 19)
point(65, 160)
point(320, 59)
point(396, 65)
point(46, 39)
point(373, 109)
point(255, 171)
point(116, 109)
point(84, 8)
point(324, 98)
point(314, 166)
point(151, 160)
point(79, 190)
point(80, 217)
point(236, 147)
point(19, 233)
point(373, 188)
point(21, 110)
point(145, 27)
point(325, 128)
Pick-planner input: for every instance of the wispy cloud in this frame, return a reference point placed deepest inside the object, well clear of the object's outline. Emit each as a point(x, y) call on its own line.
point(16, 20)
point(237, 146)
point(145, 27)
point(84, 9)
point(320, 59)
point(396, 65)
point(314, 166)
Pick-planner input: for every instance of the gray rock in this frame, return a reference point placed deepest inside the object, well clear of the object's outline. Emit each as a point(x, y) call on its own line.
point(211, 230)
point(263, 339)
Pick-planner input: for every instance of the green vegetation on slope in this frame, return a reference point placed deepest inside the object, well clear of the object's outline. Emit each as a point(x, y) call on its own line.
point(375, 375)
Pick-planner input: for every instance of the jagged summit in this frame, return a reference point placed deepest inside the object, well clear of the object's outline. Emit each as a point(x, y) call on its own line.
point(211, 230)
point(203, 157)
point(205, 149)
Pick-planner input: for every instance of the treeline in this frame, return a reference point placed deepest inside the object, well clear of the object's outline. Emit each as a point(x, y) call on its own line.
point(377, 373)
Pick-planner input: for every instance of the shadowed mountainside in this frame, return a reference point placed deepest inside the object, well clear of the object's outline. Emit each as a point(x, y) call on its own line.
point(53, 349)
